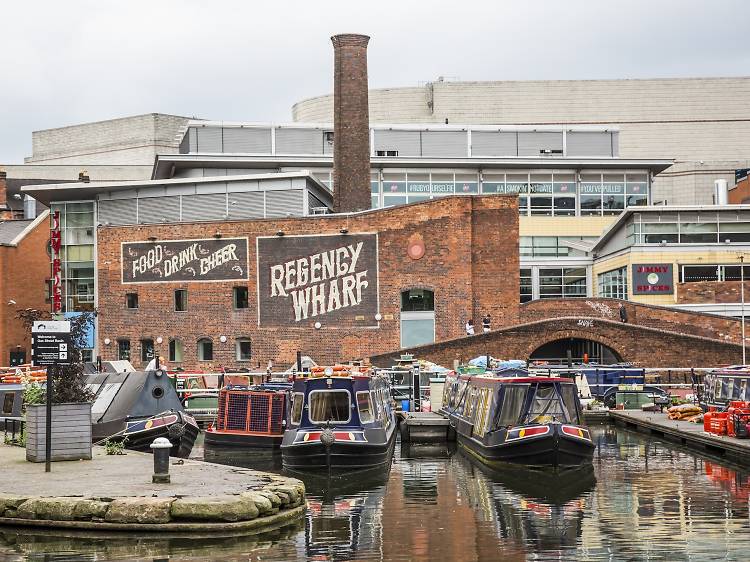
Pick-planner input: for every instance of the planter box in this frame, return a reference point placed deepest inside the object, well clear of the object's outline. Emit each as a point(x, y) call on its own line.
point(71, 432)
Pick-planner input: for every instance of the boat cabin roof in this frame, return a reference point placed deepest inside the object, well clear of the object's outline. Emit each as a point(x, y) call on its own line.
point(514, 380)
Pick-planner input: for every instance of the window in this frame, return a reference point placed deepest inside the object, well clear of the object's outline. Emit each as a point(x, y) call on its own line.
point(175, 351)
point(242, 349)
point(568, 394)
point(205, 350)
point(364, 405)
point(526, 285)
point(131, 300)
point(540, 189)
point(417, 300)
point(240, 297)
point(329, 405)
point(564, 188)
point(514, 395)
point(613, 284)
point(8, 402)
point(562, 282)
point(147, 350)
point(698, 233)
point(180, 300)
point(734, 232)
point(386, 153)
point(636, 190)
point(590, 190)
point(297, 403)
point(123, 350)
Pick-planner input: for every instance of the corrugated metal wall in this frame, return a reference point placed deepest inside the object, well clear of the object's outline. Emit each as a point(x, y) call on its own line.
point(494, 143)
point(444, 143)
point(247, 140)
point(299, 141)
point(532, 143)
point(583, 143)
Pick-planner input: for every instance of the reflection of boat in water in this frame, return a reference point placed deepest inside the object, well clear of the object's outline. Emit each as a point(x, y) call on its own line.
point(339, 419)
point(249, 416)
point(535, 421)
point(138, 407)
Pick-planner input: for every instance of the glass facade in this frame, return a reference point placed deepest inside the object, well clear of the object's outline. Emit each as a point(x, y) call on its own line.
point(549, 282)
point(613, 284)
point(545, 193)
point(551, 246)
point(77, 255)
point(713, 272)
point(687, 228)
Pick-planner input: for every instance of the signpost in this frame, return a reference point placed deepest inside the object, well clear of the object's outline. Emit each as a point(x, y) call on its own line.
point(51, 345)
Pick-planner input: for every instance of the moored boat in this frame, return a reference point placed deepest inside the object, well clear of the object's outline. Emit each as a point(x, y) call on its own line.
point(249, 416)
point(340, 418)
point(530, 420)
point(137, 407)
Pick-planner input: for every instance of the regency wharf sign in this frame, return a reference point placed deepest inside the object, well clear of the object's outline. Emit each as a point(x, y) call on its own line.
point(321, 278)
point(205, 259)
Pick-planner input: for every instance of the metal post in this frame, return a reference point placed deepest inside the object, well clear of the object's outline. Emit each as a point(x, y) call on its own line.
point(48, 429)
point(299, 361)
point(742, 306)
point(161, 448)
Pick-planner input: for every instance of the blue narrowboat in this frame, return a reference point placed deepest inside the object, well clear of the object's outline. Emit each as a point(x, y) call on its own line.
point(724, 385)
point(529, 420)
point(339, 418)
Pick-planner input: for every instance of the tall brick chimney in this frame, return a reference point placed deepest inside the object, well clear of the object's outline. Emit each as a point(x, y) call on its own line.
point(5, 211)
point(351, 142)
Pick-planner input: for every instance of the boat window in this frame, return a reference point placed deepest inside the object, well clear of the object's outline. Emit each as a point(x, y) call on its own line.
point(299, 399)
point(104, 399)
point(10, 397)
point(570, 401)
point(730, 389)
point(723, 392)
point(514, 395)
point(743, 390)
point(330, 405)
point(546, 406)
point(483, 411)
point(364, 403)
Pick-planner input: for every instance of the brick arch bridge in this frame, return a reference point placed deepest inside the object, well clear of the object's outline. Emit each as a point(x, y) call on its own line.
point(652, 337)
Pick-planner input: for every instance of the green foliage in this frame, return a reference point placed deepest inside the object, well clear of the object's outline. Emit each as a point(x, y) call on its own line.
point(33, 393)
point(68, 383)
point(115, 447)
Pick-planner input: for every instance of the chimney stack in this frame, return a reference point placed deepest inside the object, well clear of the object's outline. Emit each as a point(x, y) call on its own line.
point(351, 141)
point(5, 211)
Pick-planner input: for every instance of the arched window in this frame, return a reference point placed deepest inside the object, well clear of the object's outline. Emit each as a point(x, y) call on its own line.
point(175, 351)
point(242, 349)
point(417, 317)
point(205, 350)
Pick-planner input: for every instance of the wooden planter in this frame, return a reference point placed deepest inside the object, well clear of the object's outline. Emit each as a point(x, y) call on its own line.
point(71, 432)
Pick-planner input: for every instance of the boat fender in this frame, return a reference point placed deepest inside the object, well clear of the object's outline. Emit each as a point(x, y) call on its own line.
point(327, 437)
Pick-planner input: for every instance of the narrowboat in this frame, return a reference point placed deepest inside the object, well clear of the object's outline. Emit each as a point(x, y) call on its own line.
point(339, 419)
point(137, 407)
point(530, 420)
point(249, 416)
point(724, 385)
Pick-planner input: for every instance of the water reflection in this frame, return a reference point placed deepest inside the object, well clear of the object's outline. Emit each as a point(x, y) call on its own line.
point(642, 499)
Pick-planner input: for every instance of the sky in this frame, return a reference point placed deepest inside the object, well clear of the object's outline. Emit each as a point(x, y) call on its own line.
point(64, 63)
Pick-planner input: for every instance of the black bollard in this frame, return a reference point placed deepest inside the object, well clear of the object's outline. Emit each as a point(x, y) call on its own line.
point(161, 447)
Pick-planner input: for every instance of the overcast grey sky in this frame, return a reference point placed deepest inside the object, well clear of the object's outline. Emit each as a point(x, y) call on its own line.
point(75, 61)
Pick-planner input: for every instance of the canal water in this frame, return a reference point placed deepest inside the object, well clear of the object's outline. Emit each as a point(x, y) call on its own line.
point(642, 500)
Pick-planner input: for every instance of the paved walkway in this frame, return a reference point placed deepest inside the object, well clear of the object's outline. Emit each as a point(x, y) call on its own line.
point(121, 475)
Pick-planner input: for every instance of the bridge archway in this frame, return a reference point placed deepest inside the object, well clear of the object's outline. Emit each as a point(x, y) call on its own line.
point(580, 348)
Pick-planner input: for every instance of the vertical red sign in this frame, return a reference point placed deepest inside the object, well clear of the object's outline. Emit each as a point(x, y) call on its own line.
point(55, 243)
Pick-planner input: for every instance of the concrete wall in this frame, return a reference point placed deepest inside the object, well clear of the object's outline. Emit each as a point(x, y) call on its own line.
point(125, 141)
point(690, 120)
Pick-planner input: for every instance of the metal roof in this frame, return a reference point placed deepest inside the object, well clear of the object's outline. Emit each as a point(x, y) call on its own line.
point(80, 191)
point(164, 163)
point(13, 231)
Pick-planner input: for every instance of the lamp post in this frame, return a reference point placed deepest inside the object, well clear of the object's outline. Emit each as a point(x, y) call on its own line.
point(742, 305)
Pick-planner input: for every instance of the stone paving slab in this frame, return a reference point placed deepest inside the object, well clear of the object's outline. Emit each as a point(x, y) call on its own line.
point(121, 475)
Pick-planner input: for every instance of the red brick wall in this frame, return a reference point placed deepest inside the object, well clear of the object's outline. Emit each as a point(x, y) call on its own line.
point(711, 292)
point(740, 193)
point(645, 347)
point(650, 316)
point(24, 270)
point(351, 147)
point(467, 279)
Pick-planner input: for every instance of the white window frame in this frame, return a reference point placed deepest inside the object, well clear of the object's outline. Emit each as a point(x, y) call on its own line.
point(310, 400)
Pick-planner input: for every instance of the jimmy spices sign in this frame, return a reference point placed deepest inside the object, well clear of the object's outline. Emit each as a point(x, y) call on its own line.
point(653, 279)
point(205, 259)
point(317, 278)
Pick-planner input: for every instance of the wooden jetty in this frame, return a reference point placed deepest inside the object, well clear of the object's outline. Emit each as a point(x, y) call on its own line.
point(685, 433)
point(424, 427)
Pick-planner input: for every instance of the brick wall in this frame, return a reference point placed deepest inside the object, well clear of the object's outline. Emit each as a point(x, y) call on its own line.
point(650, 316)
point(470, 262)
point(740, 193)
point(701, 292)
point(646, 347)
point(24, 270)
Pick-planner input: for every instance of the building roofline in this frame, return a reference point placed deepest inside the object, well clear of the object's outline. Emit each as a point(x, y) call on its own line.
point(28, 229)
point(43, 192)
point(153, 114)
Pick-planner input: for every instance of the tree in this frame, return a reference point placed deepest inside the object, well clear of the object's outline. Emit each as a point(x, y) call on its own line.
point(68, 382)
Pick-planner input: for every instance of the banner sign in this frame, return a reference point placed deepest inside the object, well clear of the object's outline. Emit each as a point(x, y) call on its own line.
point(173, 261)
point(55, 244)
point(653, 279)
point(322, 278)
